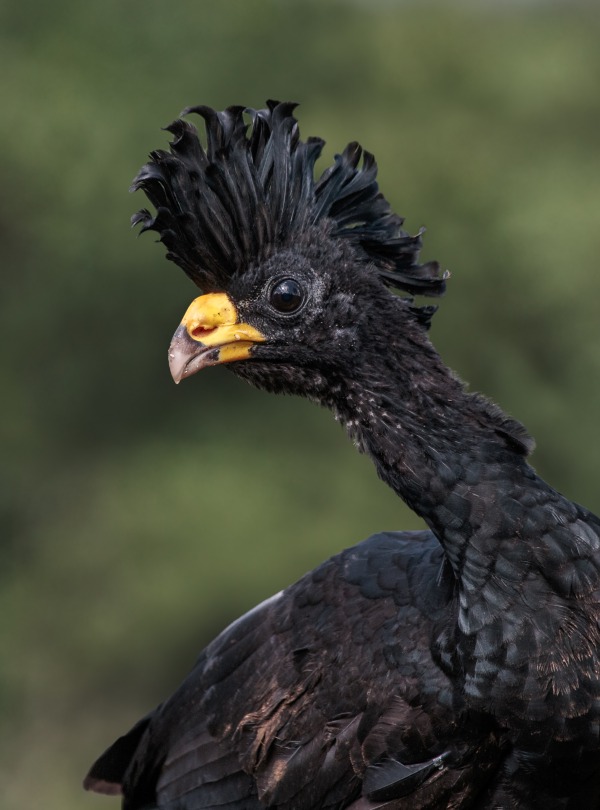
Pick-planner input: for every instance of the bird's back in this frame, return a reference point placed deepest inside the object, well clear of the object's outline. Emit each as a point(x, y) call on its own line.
point(326, 695)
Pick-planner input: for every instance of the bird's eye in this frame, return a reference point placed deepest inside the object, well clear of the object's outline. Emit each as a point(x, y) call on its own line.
point(286, 296)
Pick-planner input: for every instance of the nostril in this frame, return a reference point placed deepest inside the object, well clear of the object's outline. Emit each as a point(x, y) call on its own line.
point(199, 332)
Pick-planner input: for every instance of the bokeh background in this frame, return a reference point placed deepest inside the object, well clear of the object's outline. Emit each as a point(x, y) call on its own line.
point(138, 518)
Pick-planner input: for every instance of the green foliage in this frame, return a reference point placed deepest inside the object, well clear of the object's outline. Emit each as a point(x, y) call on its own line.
point(138, 518)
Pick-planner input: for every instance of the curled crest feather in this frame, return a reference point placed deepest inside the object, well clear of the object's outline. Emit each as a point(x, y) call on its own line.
point(252, 191)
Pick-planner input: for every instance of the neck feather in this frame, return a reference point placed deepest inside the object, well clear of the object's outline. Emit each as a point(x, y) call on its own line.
point(444, 451)
point(524, 557)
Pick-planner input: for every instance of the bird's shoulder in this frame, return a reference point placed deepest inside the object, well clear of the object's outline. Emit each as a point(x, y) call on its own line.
point(329, 683)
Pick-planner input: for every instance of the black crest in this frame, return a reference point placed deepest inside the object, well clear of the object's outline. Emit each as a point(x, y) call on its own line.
point(252, 191)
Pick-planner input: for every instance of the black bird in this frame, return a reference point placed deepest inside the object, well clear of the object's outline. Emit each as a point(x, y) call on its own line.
point(450, 668)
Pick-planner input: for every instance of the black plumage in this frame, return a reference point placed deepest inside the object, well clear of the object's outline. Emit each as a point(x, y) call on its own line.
point(455, 667)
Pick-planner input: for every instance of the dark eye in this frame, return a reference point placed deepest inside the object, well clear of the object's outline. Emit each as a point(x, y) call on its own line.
point(286, 296)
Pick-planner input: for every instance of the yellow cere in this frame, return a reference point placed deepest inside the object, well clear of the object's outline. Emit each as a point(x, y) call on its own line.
point(208, 311)
point(212, 320)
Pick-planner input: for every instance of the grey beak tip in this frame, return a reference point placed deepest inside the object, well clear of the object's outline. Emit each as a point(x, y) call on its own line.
point(186, 356)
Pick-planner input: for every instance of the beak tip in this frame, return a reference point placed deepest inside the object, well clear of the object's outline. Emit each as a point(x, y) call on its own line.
point(179, 354)
point(176, 371)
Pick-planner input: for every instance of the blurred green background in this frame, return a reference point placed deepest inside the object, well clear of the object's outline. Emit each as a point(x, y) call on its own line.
point(137, 518)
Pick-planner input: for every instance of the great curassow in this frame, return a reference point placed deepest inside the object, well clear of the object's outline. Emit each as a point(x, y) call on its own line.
point(450, 668)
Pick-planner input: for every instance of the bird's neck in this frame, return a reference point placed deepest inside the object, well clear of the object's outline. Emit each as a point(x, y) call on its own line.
point(523, 557)
point(453, 457)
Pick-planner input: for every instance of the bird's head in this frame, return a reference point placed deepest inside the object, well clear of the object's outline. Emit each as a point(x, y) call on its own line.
point(295, 270)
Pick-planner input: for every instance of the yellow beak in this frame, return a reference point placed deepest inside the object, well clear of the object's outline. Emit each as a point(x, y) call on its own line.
point(210, 334)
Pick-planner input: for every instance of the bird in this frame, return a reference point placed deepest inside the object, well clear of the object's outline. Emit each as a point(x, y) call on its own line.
point(450, 667)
